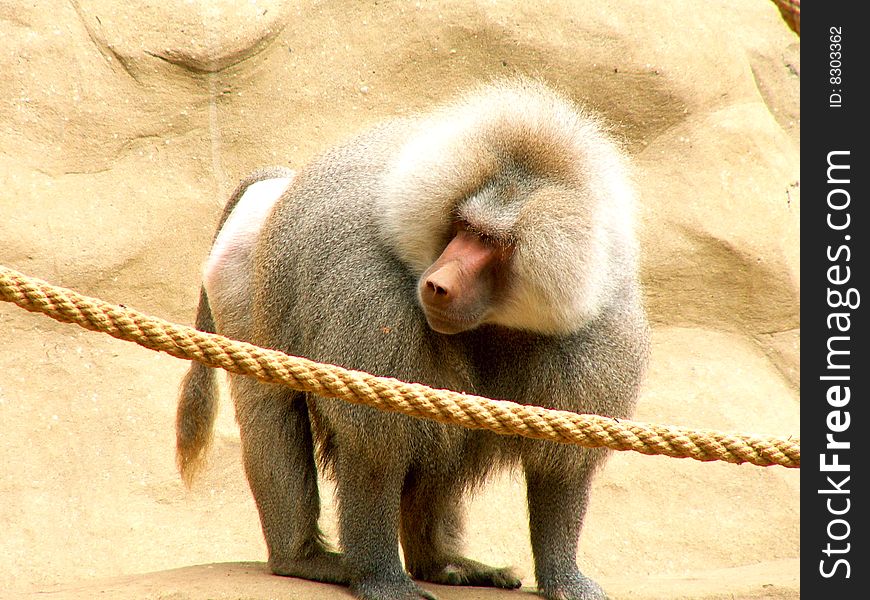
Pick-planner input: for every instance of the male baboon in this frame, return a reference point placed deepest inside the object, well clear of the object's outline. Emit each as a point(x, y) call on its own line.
point(486, 247)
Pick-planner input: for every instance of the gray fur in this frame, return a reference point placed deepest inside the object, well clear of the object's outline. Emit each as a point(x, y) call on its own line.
point(330, 284)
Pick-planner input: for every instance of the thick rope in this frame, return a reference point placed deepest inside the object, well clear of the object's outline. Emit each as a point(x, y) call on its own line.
point(503, 417)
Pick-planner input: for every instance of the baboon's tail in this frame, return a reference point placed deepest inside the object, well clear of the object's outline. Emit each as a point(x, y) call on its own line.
point(197, 405)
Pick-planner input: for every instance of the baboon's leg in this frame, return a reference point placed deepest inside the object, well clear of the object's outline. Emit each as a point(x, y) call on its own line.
point(278, 453)
point(369, 484)
point(558, 481)
point(432, 537)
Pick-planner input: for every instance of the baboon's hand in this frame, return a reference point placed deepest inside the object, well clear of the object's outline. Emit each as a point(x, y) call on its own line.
point(464, 571)
point(574, 587)
point(390, 590)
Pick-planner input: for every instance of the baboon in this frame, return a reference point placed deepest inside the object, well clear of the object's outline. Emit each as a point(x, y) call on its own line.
point(485, 247)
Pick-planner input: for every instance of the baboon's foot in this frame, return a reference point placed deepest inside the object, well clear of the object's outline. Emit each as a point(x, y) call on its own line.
point(328, 567)
point(573, 586)
point(464, 571)
point(378, 588)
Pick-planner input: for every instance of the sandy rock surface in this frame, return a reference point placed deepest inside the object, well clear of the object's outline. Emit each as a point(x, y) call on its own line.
point(123, 127)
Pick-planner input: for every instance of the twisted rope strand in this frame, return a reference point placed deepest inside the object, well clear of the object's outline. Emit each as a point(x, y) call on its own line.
point(388, 394)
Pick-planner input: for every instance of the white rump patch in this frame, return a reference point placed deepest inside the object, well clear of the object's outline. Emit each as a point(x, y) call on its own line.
point(228, 270)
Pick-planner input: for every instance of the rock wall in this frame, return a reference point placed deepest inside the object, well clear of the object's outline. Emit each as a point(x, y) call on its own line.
point(125, 126)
